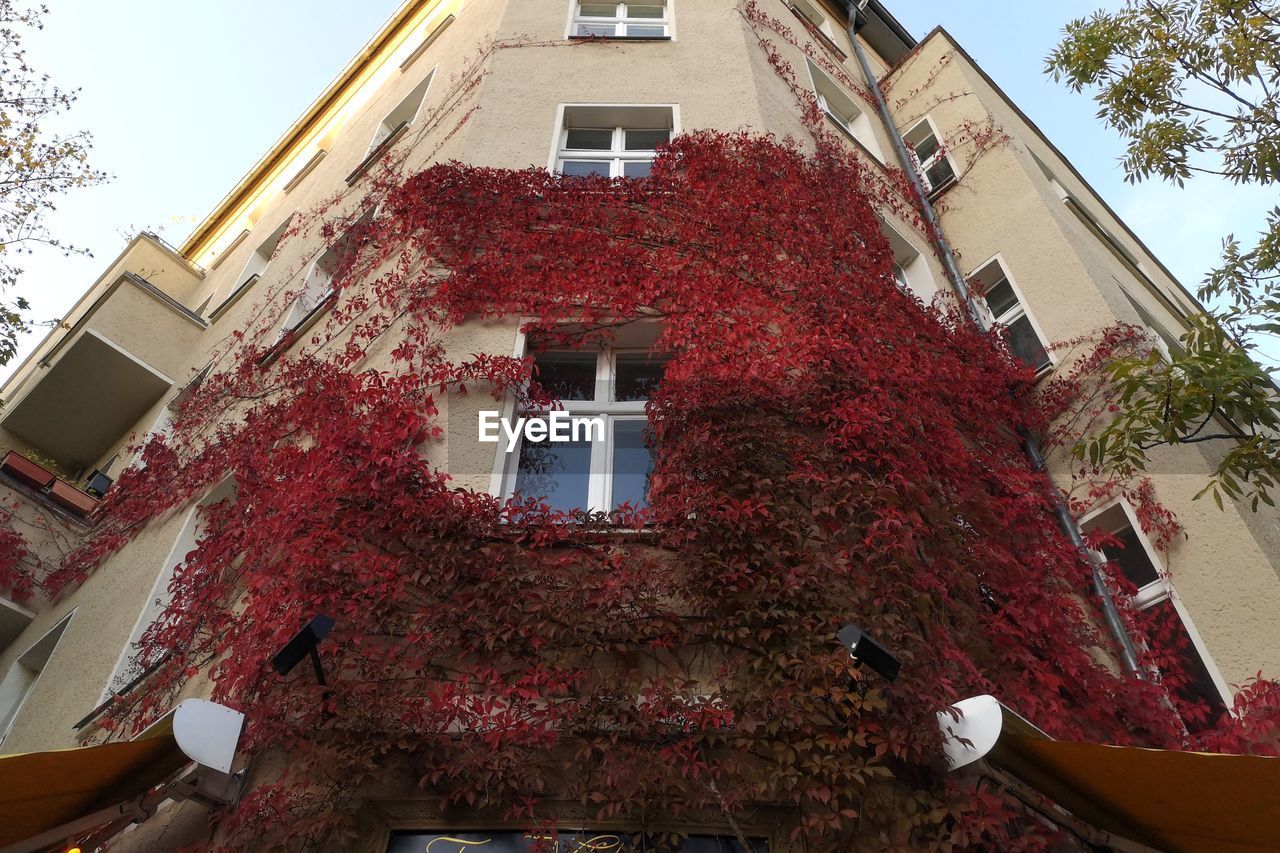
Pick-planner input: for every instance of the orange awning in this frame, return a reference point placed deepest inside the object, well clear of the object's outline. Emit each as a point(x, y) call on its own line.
point(1169, 800)
point(48, 797)
point(1166, 799)
point(40, 791)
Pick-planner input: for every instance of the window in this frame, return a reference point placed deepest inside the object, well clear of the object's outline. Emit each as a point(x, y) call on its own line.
point(1173, 641)
point(318, 287)
point(931, 158)
point(1007, 309)
point(842, 111)
point(21, 678)
point(404, 113)
point(261, 256)
point(810, 13)
point(621, 20)
point(128, 666)
point(599, 469)
point(910, 266)
point(616, 142)
point(163, 425)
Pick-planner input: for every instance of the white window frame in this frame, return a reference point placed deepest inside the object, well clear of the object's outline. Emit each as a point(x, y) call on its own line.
point(11, 683)
point(923, 166)
point(617, 156)
point(189, 535)
point(600, 475)
point(857, 126)
point(620, 20)
point(1015, 313)
point(809, 11)
point(318, 287)
point(1161, 589)
point(385, 129)
point(911, 267)
point(257, 262)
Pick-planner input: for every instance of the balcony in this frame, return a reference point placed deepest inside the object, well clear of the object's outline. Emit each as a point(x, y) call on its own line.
point(115, 355)
point(86, 401)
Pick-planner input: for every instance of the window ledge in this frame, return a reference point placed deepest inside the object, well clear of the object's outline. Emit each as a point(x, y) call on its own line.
point(618, 38)
point(292, 335)
point(847, 134)
point(823, 38)
point(225, 305)
point(376, 154)
point(940, 190)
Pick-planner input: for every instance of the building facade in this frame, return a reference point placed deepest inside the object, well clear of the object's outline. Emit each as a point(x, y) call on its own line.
point(577, 88)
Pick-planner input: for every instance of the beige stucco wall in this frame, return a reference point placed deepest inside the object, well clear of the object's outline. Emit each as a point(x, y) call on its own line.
point(717, 74)
point(1225, 571)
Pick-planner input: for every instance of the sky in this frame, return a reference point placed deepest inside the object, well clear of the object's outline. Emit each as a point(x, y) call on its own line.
point(163, 86)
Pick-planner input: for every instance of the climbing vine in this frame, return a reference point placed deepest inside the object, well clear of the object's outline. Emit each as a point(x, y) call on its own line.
point(828, 450)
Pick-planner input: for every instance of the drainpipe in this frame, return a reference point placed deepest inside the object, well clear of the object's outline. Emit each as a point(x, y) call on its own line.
point(1128, 654)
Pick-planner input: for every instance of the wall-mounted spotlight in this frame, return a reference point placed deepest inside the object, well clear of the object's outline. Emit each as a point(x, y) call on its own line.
point(867, 651)
point(303, 644)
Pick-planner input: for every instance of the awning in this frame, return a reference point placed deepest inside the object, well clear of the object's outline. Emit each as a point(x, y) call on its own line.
point(1161, 798)
point(69, 791)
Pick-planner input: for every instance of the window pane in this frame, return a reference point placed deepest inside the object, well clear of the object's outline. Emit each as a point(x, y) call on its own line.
point(557, 472)
point(582, 168)
point(900, 276)
point(637, 374)
point(1131, 558)
point(1183, 669)
point(645, 31)
point(940, 173)
point(1000, 298)
point(638, 10)
point(1026, 346)
point(597, 30)
point(637, 169)
point(589, 139)
point(632, 464)
point(927, 148)
point(566, 375)
point(646, 140)
point(597, 10)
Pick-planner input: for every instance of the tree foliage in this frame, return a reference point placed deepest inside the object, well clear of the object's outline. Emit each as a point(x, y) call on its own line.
point(1193, 87)
point(37, 165)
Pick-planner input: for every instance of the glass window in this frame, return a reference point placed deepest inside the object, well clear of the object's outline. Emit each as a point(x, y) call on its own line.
point(1007, 310)
point(636, 375)
point(1000, 298)
point(646, 140)
point(933, 165)
point(1185, 669)
point(609, 461)
point(1131, 558)
point(1025, 344)
point(1182, 667)
point(617, 152)
point(589, 139)
point(621, 20)
point(567, 375)
point(632, 463)
point(583, 168)
point(557, 472)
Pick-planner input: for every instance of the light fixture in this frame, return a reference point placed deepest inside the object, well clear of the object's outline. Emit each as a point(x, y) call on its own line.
point(867, 651)
point(303, 644)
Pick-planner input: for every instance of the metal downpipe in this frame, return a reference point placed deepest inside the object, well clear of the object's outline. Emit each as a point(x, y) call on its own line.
point(1111, 614)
